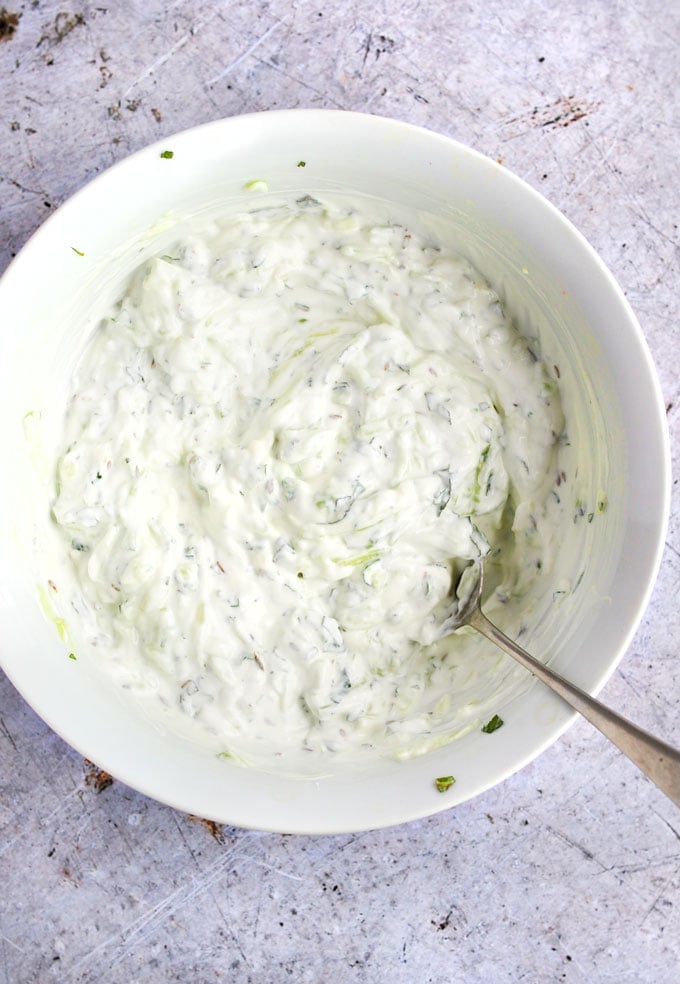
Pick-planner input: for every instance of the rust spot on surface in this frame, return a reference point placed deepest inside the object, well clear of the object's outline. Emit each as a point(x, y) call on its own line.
point(216, 830)
point(8, 24)
point(97, 778)
point(61, 28)
point(70, 876)
point(444, 924)
point(561, 113)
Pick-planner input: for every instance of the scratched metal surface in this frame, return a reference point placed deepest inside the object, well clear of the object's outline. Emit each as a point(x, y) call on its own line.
point(569, 871)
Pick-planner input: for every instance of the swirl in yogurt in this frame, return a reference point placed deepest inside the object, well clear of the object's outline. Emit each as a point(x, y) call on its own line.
point(281, 446)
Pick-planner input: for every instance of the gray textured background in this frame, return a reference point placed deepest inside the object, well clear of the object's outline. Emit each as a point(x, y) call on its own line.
point(570, 871)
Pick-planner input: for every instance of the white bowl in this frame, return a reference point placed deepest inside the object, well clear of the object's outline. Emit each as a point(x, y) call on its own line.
point(551, 280)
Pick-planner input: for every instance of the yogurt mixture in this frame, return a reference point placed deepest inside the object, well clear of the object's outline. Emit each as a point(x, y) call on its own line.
point(281, 447)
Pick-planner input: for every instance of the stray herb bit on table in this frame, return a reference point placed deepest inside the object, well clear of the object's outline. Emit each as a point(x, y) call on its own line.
point(444, 783)
point(494, 724)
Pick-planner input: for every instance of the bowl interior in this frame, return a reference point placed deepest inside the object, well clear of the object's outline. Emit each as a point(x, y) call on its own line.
point(556, 288)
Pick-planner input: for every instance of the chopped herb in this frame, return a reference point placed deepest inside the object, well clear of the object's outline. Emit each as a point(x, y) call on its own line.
point(366, 558)
point(477, 484)
point(256, 185)
point(301, 163)
point(79, 252)
point(300, 574)
point(99, 474)
point(72, 656)
point(494, 724)
point(444, 783)
point(167, 154)
point(307, 200)
point(601, 503)
point(442, 497)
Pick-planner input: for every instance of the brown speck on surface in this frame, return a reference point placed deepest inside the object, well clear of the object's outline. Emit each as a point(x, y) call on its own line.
point(63, 25)
point(8, 24)
point(215, 829)
point(156, 113)
point(567, 111)
point(69, 875)
point(561, 113)
point(490, 818)
point(440, 926)
point(52, 585)
point(97, 778)
point(669, 406)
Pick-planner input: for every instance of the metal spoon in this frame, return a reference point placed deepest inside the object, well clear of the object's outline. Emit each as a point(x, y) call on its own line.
point(658, 760)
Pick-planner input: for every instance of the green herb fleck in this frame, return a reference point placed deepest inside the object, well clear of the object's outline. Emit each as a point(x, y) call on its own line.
point(167, 154)
point(300, 574)
point(99, 474)
point(365, 558)
point(477, 484)
point(301, 163)
point(601, 503)
point(444, 783)
point(494, 724)
point(72, 656)
point(78, 252)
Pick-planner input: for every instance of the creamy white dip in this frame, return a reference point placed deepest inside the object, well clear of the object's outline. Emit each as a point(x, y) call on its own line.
point(282, 445)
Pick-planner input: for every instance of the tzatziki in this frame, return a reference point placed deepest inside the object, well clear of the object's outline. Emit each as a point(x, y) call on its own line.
point(282, 445)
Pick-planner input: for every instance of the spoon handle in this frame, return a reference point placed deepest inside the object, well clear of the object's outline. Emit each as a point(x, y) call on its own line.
point(658, 760)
